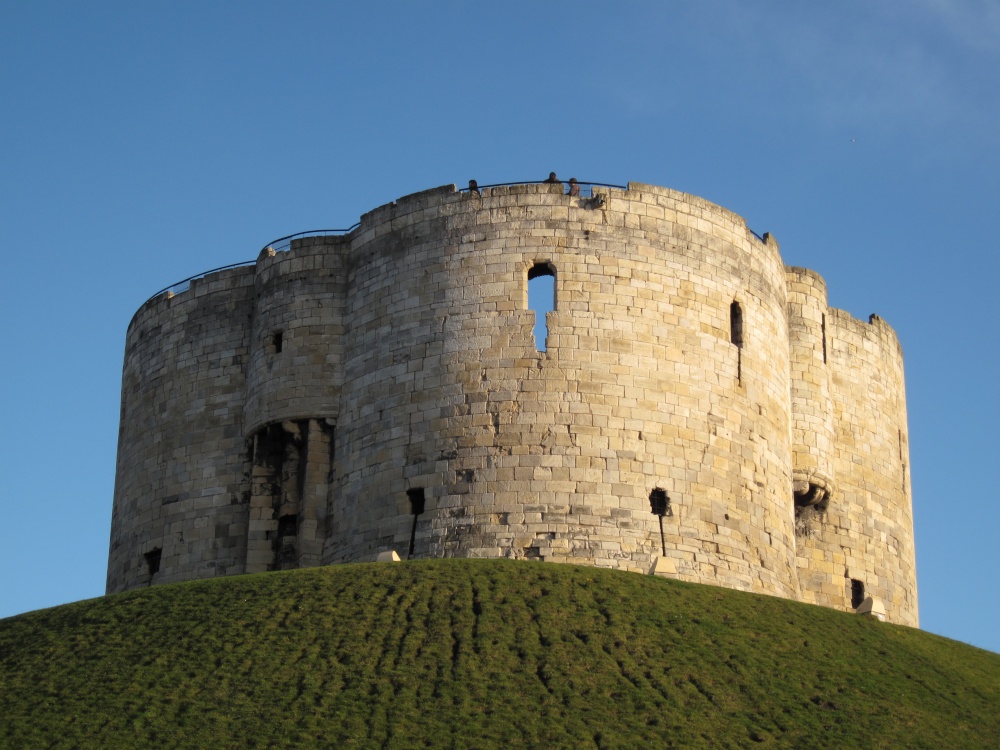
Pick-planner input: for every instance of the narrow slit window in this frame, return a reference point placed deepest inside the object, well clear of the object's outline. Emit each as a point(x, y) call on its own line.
point(822, 325)
point(736, 324)
point(736, 336)
point(277, 341)
point(541, 299)
point(902, 462)
point(416, 496)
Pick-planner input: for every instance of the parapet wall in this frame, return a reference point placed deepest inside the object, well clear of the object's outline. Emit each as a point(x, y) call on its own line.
point(390, 395)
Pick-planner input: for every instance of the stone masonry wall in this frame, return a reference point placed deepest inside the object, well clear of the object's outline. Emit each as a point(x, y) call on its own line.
point(866, 532)
point(554, 455)
point(383, 390)
point(181, 476)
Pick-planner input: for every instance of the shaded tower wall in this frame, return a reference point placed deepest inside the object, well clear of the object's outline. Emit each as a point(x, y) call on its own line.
point(179, 508)
point(861, 543)
point(294, 384)
point(554, 455)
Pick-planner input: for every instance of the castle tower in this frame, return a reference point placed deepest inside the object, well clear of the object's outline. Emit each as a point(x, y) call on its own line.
point(694, 400)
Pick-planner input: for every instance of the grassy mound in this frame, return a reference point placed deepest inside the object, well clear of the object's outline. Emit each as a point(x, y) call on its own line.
point(480, 654)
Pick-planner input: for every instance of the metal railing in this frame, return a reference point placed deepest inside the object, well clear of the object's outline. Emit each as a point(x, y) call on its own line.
point(185, 284)
point(278, 245)
point(586, 187)
point(283, 243)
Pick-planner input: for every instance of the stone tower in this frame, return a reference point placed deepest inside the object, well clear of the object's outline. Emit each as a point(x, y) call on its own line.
point(695, 402)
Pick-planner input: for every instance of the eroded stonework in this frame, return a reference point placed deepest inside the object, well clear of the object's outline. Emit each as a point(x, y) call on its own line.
point(382, 390)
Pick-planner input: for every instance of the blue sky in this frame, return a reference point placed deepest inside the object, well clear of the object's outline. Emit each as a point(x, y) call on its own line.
point(143, 143)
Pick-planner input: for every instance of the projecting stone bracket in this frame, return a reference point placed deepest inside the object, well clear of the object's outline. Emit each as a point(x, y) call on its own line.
point(812, 491)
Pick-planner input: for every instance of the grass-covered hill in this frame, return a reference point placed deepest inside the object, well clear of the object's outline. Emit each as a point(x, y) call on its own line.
point(480, 654)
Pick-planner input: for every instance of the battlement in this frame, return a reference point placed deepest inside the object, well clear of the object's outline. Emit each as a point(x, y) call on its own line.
point(696, 407)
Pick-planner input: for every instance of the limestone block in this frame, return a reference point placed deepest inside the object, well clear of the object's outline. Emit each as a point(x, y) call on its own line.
point(664, 566)
point(873, 606)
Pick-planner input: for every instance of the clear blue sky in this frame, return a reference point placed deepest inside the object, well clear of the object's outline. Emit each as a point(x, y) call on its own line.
point(142, 143)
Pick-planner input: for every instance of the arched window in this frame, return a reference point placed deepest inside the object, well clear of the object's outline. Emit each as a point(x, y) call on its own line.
point(541, 298)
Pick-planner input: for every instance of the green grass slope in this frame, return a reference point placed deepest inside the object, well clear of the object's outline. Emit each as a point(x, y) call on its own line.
point(480, 654)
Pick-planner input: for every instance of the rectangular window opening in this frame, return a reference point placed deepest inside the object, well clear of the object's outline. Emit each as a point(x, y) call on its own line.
point(153, 561)
point(857, 593)
point(736, 337)
point(736, 324)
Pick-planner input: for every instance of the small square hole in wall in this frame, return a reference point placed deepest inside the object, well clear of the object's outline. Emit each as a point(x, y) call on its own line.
point(659, 503)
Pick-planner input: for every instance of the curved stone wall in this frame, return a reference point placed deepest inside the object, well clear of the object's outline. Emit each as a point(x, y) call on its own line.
point(812, 410)
point(179, 505)
point(384, 391)
point(554, 454)
point(296, 361)
point(865, 536)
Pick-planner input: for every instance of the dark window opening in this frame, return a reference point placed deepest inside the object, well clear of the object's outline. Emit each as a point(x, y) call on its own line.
point(541, 299)
point(659, 503)
point(277, 340)
point(736, 336)
point(857, 593)
point(416, 496)
point(736, 324)
point(153, 561)
point(288, 526)
point(822, 327)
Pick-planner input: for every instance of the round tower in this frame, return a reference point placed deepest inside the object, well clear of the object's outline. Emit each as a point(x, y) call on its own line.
point(691, 406)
